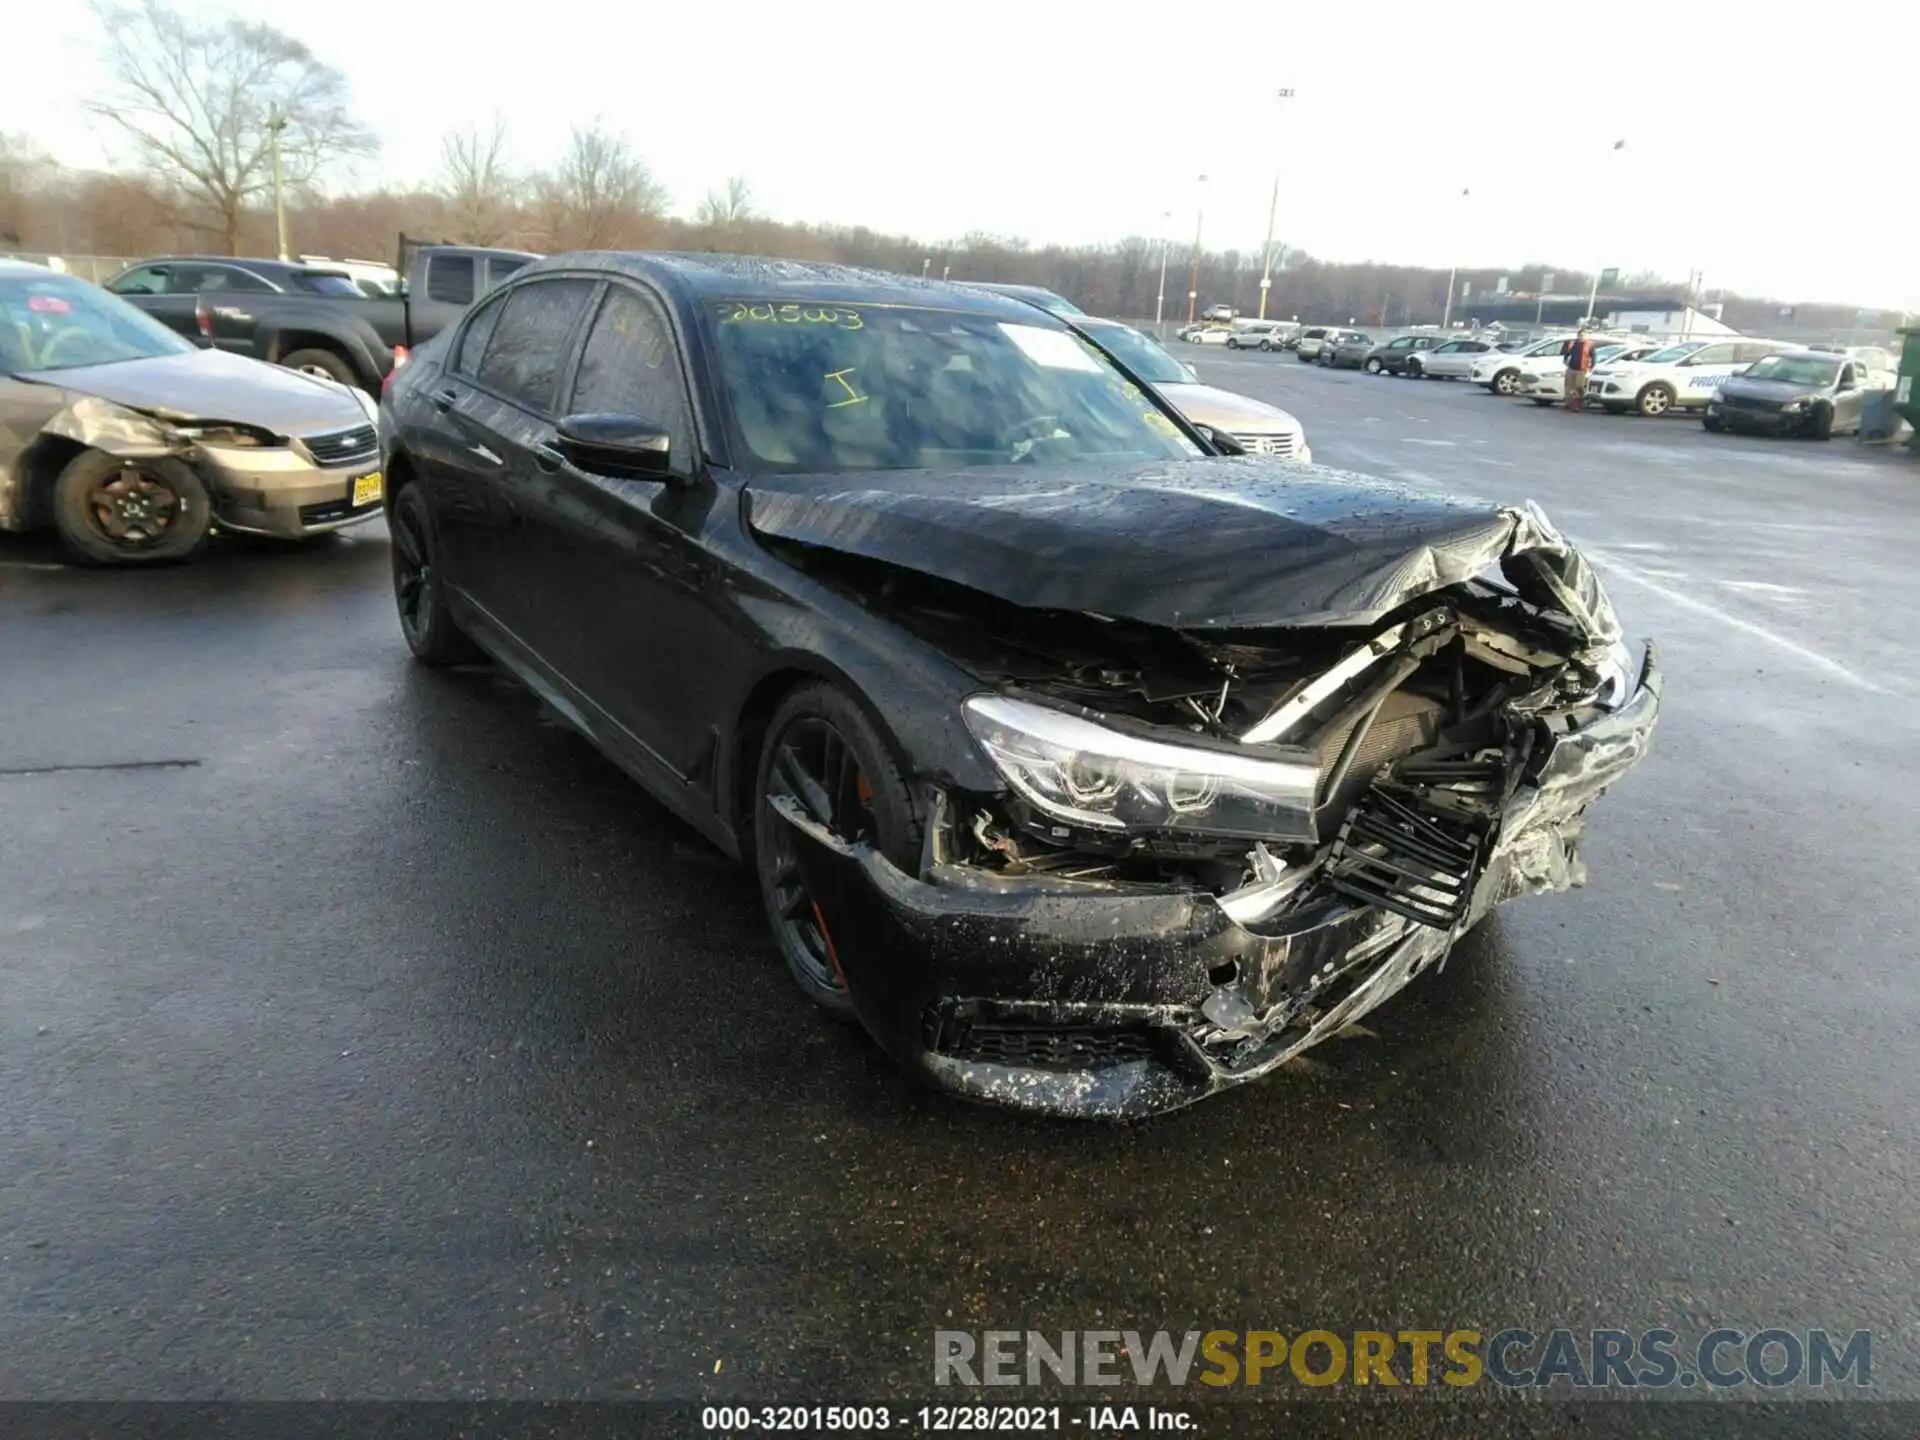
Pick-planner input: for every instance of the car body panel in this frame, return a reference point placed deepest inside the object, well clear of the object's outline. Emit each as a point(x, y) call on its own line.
point(1452, 359)
point(1261, 429)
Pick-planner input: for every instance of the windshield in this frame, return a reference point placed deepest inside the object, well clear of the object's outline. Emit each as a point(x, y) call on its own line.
point(831, 388)
point(1139, 353)
point(325, 283)
point(1673, 353)
point(54, 322)
point(1814, 371)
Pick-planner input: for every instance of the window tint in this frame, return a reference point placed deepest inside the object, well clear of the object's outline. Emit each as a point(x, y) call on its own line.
point(473, 343)
point(498, 268)
point(146, 280)
point(450, 279)
point(630, 366)
point(529, 341)
point(224, 280)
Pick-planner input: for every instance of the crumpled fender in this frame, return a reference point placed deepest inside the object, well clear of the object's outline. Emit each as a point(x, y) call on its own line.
point(99, 425)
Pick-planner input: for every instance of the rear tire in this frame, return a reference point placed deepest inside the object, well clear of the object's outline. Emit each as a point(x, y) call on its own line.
point(321, 362)
point(817, 733)
point(110, 511)
point(419, 589)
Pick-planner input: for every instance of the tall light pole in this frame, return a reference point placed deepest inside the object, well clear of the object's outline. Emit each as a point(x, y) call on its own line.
point(1593, 290)
point(1160, 300)
point(276, 122)
point(1193, 273)
point(1453, 271)
point(1273, 207)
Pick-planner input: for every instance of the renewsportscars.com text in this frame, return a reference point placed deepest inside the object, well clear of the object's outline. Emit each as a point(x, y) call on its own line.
point(1655, 1359)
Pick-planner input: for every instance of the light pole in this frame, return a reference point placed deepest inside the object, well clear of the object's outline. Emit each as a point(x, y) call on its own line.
point(276, 122)
point(1160, 300)
point(1453, 272)
point(1193, 273)
point(1593, 290)
point(1273, 207)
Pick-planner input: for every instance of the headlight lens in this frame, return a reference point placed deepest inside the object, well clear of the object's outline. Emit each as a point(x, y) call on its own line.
point(1794, 406)
point(1084, 774)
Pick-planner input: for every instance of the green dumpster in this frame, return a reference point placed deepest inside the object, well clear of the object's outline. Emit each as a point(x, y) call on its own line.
point(1906, 396)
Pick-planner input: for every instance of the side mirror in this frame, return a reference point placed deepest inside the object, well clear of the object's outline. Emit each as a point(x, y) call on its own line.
point(627, 447)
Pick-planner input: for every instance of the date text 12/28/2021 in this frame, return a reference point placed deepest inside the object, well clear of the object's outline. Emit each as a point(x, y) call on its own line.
point(943, 1419)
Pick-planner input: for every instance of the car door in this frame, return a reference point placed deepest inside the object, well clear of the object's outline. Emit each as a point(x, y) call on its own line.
point(1697, 377)
point(1849, 400)
point(635, 624)
point(164, 289)
point(495, 424)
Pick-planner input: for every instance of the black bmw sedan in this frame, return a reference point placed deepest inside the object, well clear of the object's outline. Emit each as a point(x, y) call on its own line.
point(1091, 769)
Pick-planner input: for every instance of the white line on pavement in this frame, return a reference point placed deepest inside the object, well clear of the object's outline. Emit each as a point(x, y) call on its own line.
point(1812, 657)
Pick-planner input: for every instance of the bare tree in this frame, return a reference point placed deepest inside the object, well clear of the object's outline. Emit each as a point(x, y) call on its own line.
point(193, 97)
point(727, 209)
point(481, 193)
point(600, 192)
point(25, 169)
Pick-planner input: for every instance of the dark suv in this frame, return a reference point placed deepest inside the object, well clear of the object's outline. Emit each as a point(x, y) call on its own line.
point(1391, 355)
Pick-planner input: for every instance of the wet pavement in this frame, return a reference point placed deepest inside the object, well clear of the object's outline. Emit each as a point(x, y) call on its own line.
point(366, 1035)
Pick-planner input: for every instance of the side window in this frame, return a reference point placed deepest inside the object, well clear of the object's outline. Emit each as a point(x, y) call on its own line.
point(529, 346)
point(1750, 352)
point(630, 366)
point(500, 267)
point(450, 279)
point(1847, 378)
point(145, 280)
point(1714, 355)
point(473, 342)
point(192, 279)
point(230, 280)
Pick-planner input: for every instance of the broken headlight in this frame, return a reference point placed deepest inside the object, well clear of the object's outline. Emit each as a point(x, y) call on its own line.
point(1081, 773)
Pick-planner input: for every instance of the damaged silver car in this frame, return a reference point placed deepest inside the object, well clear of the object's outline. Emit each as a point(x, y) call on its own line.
point(134, 445)
point(1089, 769)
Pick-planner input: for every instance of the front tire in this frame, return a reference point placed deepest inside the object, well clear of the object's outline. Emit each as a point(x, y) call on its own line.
point(1820, 424)
point(1711, 424)
point(1233, 344)
point(823, 754)
point(1416, 370)
point(1507, 382)
point(1266, 345)
point(1538, 401)
point(419, 589)
point(1656, 400)
point(110, 511)
point(1374, 367)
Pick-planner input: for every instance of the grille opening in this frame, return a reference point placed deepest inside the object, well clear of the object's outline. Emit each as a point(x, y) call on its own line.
point(342, 447)
point(1063, 1048)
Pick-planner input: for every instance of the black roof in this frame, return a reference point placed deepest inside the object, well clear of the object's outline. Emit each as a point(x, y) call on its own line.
point(699, 275)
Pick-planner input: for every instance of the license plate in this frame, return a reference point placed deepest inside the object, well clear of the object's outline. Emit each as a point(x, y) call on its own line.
point(367, 489)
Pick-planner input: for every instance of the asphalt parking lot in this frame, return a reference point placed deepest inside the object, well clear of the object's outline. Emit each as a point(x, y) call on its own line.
point(366, 1035)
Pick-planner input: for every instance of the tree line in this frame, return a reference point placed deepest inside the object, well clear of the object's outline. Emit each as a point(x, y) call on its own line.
point(204, 105)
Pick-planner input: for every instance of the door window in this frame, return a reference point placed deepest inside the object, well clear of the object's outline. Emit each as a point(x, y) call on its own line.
point(1713, 355)
point(473, 340)
point(630, 366)
point(144, 280)
point(227, 280)
point(528, 350)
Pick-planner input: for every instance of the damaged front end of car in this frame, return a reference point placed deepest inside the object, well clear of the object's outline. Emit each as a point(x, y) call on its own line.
point(1216, 847)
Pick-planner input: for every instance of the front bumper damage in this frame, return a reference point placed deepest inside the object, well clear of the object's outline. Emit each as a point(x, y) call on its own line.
point(1122, 1000)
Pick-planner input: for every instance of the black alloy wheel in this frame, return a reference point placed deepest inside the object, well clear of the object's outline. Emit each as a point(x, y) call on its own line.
point(823, 757)
point(419, 595)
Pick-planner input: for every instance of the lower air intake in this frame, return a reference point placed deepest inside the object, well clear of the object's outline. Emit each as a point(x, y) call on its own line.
point(1400, 851)
point(1039, 1048)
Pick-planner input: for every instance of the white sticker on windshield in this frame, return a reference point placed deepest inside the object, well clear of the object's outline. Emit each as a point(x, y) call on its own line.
point(1055, 349)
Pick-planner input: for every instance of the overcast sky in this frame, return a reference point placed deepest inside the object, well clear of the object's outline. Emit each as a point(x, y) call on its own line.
point(1770, 147)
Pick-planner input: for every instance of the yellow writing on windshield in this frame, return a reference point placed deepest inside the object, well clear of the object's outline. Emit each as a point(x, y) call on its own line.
point(767, 313)
point(854, 397)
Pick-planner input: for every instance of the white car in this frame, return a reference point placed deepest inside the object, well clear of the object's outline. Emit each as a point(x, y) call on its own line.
point(1255, 335)
point(1258, 428)
point(371, 277)
point(1209, 335)
point(1682, 376)
point(1544, 379)
point(1500, 370)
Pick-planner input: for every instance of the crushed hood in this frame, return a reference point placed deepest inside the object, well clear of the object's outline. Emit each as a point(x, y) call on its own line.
point(213, 385)
point(1202, 544)
point(1780, 391)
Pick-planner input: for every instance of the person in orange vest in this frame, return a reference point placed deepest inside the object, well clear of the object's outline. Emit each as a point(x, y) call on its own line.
point(1578, 353)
